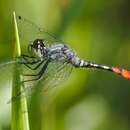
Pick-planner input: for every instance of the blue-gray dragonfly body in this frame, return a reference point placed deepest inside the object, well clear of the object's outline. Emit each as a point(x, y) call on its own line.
point(58, 53)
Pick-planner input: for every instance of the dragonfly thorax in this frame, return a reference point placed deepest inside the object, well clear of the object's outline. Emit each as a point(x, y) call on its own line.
point(38, 48)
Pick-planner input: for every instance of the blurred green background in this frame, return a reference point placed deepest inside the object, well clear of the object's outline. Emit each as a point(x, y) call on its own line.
point(97, 30)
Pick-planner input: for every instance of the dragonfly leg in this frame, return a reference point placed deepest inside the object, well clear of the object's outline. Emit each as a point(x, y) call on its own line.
point(28, 63)
point(26, 56)
point(36, 67)
point(38, 76)
point(27, 60)
point(39, 72)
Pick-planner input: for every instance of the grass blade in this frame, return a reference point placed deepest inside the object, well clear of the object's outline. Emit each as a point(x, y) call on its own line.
point(19, 107)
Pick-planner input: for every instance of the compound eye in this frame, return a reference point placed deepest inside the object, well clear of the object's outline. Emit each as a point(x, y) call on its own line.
point(38, 43)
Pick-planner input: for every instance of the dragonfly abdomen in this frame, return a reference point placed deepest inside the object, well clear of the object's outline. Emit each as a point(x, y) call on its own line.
point(122, 72)
point(98, 66)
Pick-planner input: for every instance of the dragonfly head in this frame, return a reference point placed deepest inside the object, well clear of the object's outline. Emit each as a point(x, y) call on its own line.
point(37, 47)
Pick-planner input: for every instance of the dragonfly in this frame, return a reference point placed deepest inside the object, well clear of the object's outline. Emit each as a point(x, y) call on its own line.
point(50, 60)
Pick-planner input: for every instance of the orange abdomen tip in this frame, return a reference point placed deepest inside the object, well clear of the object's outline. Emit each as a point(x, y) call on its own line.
point(123, 72)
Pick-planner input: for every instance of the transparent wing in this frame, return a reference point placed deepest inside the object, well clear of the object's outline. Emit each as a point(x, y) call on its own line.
point(54, 75)
point(5, 72)
point(6, 76)
point(29, 31)
point(60, 73)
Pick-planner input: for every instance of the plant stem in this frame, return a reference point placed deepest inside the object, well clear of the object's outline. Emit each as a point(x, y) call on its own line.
point(19, 106)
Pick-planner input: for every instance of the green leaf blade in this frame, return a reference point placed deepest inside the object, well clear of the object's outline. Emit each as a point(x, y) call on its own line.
point(20, 119)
